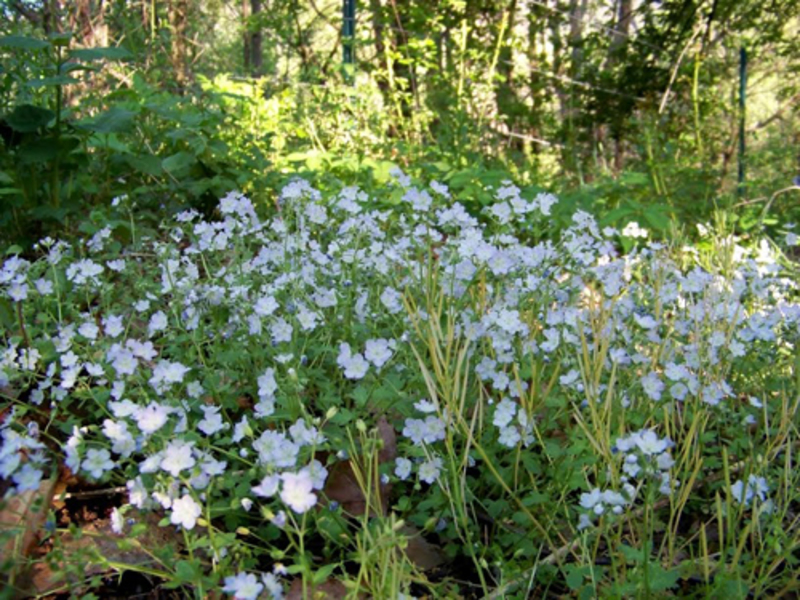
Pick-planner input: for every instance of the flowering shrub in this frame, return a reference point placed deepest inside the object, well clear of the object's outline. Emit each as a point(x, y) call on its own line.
point(548, 394)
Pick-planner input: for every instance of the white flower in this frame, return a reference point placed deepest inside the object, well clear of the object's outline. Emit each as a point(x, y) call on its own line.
point(243, 586)
point(633, 230)
point(158, 322)
point(28, 478)
point(117, 521)
point(152, 418)
point(402, 468)
point(268, 486)
point(296, 492)
point(392, 300)
point(89, 330)
point(756, 487)
point(177, 457)
point(185, 512)
point(44, 286)
point(379, 351)
point(97, 462)
point(267, 386)
point(429, 470)
point(509, 437)
point(317, 473)
point(166, 373)
point(425, 406)
point(652, 386)
point(265, 306)
point(355, 365)
point(212, 420)
point(123, 360)
point(137, 493)
point(272, 584)
point(504, 413)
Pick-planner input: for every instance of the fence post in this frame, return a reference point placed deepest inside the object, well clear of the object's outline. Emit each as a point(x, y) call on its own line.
point(742, 115)
point(348, 39)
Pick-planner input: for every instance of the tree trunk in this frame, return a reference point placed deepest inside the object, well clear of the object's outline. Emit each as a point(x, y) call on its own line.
point(246, 38)
point(622, 27)
point(256, 42)
point(380, 48)
point(179, 17)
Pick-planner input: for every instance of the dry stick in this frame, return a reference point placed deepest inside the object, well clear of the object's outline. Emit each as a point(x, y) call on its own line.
point(558, 555)
point(675, 72)
point(94, 493)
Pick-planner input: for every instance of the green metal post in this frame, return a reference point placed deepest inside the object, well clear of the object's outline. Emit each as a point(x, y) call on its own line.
point(348, 38)
point(742, 115)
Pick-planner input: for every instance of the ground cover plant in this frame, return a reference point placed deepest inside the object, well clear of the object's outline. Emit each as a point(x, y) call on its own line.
point(388, 395)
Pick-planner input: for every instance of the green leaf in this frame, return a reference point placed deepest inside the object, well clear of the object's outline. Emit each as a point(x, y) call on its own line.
point(70, 67)
point(662, 579)
point(146, 163)
point(114, 120)
point(575, 576)
point(178, 161)
point(110, 53)
point(632, 555)
point(186, 571)
point(27, 118)
point(60, 39)
point(22, 42)
point(52, 81)
point(322, 574)
point(47, 148)
point(657, 219)
point(730, 587)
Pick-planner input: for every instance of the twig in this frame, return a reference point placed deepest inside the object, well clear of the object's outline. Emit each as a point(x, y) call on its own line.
point(94, 493)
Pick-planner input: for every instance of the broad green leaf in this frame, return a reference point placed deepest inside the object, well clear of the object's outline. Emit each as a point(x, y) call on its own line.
point(114, 120)
point(70, 67)
point(60, 39)
point(187, 571)
point(27, 118)
point(111, 53)
point(575, 576)
point(146, 163)
point(22, 42)
point(178, 161)
point(662, 579)
point(47, 148)
point(323, 573)
point(52, 81)
point(657, 219)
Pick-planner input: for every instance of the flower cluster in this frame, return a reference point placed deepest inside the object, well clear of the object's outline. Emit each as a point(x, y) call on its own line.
point(645, 455)
point(204, 365)
point(754, 489)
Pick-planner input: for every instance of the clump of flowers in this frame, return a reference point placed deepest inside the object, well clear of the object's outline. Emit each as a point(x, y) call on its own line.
point(754, 489)
point(646, 456)
point(222, 386)
point(22, 456)
point(599, 503)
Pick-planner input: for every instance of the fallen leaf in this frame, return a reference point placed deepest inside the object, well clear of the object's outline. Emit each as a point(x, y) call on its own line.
point(342, 484)
point(331, 589)
point(421, 552)
point(21, 518)
point(97, 539)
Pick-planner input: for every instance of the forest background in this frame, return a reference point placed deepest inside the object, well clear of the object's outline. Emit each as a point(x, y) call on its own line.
point(638, 111)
